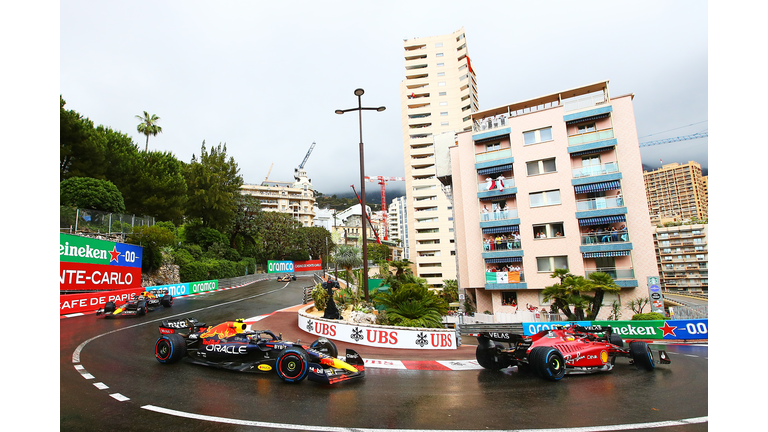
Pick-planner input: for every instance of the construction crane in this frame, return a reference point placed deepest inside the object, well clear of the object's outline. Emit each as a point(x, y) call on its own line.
point(675, 139)
point(381, 180)
point(307, 156)
point(363, 210)
point(269, 172)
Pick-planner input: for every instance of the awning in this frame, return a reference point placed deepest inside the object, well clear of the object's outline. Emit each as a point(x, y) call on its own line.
point(602, 220)
point(497, 197)
point(504, 229)
point(503, 260)
point(605, 254)
point(597, 187)
point(592, 151)
point(586, 119)
point(494, 170)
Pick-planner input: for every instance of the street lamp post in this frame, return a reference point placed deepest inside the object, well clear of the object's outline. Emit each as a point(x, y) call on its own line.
point(359, 92)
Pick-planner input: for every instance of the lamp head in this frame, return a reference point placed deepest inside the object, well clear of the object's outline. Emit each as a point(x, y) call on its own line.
point(381, 108)
point(339, 111)
point(359, 92)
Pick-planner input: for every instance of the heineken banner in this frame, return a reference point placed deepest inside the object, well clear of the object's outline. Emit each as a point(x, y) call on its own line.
point(279, 266)
point(502, 277)
point(657, 329)
point(92, 264)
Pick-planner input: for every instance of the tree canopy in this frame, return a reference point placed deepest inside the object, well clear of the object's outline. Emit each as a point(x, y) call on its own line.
point(91, 193)
point(213, 183)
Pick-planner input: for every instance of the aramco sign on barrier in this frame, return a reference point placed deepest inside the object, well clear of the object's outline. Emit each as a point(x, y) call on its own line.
point(291, 266)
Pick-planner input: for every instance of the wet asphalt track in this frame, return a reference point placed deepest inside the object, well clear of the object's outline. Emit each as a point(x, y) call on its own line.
point(118, 355)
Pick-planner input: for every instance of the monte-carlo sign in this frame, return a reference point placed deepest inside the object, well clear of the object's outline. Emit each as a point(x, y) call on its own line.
point(93, 264)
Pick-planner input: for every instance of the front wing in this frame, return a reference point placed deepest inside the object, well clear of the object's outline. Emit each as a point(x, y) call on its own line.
point(330, 372)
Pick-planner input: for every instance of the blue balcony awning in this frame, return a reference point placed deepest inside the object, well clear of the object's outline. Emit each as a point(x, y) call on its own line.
point(494, 170)
point(503, 260)
point(586, 119)
point(605, 254)
point(498, 197)
point(597, 187)
point(603, 220)
point(499, 230)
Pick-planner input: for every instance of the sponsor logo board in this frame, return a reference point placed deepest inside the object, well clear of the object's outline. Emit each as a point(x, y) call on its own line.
point(280, 266)
point(82, 276)
point(656, 329)
point(79, 303)
point(86, 250)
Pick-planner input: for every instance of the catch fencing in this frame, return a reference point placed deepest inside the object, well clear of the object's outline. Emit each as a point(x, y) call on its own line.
point(74, 220)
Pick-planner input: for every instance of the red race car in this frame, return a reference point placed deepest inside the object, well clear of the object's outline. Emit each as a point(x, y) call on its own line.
point(551, 354)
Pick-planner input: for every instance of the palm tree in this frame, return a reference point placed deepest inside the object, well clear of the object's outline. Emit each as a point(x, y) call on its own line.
point(348, 257)
point(599, 283)
point(148, 126)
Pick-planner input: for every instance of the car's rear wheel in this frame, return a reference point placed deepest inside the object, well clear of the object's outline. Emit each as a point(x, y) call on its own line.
point(488, 356)
point(548, 363)
point(170, 348)
point(292, 364)
point(167, 301)
point(616, 340)
point(641, 355)
point(325, 346)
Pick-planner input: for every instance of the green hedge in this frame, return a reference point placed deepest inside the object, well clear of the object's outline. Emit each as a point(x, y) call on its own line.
point(207, 269)
point(650, 316)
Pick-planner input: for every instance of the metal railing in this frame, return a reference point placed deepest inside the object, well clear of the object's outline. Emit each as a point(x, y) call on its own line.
point(75, 220)
point(595, 170)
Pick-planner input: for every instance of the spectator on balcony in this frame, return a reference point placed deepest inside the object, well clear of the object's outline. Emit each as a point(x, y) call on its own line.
point(485, 213)
point(505, 211)
point(614, 234)
point(619, 200)
point(500, 181)
point(489, 183)
point(623, 231)
point(496, 212)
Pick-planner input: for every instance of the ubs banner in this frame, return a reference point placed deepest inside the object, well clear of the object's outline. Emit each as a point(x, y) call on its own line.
point(92, 264)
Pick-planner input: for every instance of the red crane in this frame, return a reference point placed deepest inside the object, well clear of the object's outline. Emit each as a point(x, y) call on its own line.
point(381, 180)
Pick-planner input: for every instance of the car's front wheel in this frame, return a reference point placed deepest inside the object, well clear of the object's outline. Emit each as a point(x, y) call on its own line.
point(167, 301)
point(292, 364)
point(641, 355)
point(170, 348)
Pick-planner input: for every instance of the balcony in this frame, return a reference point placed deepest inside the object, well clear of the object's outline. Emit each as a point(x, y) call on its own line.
point(505, 280)
point(595, 170)
point(614, 272)
point(599, 203)
point(501, 245)
point(601, 135)
point(501, 215)
point(493, 155)
point(604, 238)
point(494, 185)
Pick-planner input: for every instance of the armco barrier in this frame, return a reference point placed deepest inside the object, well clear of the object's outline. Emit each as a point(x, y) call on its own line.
point(697, 329)
point(376, 335)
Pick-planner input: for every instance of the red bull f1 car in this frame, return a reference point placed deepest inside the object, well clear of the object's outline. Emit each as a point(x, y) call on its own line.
point(551, 354)
point(140, 305)
point(231, 345)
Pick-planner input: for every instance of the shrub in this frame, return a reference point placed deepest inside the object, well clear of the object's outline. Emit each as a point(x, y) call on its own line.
point(320, 296)
point(648, 316)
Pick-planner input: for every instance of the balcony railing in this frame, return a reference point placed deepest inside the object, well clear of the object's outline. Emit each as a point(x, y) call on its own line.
point(613, 272)
point(498, 215)
point(589, 137)
point(499, 245)
point(512, 277)
point(607, 237)
point(585, 101)
point(599, 203)
point(495, 185)
point(596, 170)
point(493, 155)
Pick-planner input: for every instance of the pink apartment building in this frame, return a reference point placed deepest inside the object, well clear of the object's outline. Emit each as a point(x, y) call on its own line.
point(562, 181)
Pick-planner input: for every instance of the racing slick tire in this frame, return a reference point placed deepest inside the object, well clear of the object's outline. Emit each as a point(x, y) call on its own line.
point(547, 362)
point(170, 348)
point(325, 346)
point(109, 307)
point(641, 355)
point(167, 301)
point(616, 340)
point(488, 356)
point(292, 364)
point(141, 308)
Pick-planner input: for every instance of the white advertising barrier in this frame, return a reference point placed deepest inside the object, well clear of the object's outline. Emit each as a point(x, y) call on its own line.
point(378, 336)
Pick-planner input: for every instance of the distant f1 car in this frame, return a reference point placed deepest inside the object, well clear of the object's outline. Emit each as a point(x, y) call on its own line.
point(564, 349)
point(140, 305)
point(230, 345)
point(286, 278)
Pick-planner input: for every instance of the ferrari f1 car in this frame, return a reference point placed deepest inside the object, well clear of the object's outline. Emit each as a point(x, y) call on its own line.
point(231, 345)
point(551, 354)
point(140, 305)
point(286, 278)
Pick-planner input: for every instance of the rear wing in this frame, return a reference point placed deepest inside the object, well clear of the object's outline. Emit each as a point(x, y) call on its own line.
point(184, 326)
point(500, 332)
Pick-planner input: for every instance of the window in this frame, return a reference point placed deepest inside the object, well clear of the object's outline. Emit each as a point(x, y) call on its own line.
point(540, 199)
point(439, 55)
point(550, 230)
point(441, 84)
point(584, 128)
point(443, 103)
point(441, 74)
point(442, 93)
point(550, 264)
point(438, 44)
point(444, 113)
point(537, 136)
point(541, 166)
point(492, 146)
point(440, 64)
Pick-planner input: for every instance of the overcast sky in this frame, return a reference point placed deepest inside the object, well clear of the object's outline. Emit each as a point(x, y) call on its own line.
point(266, 77)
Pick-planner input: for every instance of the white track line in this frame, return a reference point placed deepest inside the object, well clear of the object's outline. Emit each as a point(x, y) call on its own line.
point(633, 426)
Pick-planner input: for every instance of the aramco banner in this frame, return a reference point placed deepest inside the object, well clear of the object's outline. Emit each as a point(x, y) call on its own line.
point(280, 266)
point(92, 264)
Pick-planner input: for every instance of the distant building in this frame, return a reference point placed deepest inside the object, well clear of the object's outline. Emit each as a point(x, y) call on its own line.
point(676, 192)
point(398, 224)
point(683, 257)
point(549, 183)
point(437, 95)
point(296, 198)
